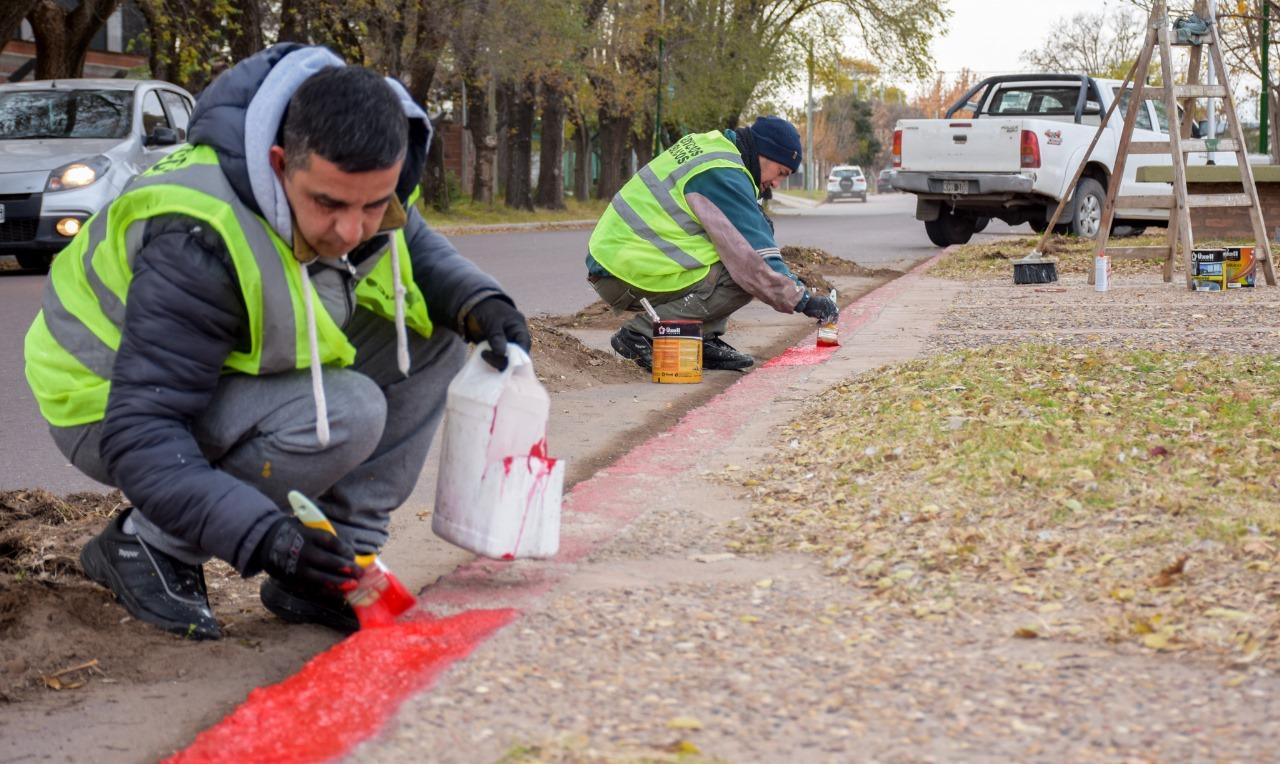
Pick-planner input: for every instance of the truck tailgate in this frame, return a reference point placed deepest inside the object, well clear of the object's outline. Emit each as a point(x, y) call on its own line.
point(961, 145)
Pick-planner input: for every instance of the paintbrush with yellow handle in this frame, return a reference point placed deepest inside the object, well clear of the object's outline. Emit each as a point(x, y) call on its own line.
point(378, 597)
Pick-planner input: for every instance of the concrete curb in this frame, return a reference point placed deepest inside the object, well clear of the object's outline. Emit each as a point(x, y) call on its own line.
point(597, 510)
point(550, 225)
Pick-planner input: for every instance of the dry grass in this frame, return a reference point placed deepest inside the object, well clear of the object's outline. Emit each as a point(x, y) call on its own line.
point(1094, 494)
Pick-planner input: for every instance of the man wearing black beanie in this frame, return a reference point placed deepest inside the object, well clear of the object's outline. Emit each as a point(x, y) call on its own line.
point(687, 232)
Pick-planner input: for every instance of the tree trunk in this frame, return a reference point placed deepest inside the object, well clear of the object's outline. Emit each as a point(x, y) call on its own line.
point(644, 141)
point(551, 156)
point(12, 12)
point(504, 95)
point(63, 37)
point(246, 38)
point(614, 167)
point(429, 43)
point(582, 158)
point(520, 175)
point(483, 141)
point(293, 24)
point(435, 187)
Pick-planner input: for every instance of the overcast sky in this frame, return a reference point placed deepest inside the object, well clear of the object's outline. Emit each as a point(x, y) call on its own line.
point(989, 36)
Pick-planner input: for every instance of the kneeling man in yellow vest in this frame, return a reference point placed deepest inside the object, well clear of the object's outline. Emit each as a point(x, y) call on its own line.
point(688, 233)
point(263, 310)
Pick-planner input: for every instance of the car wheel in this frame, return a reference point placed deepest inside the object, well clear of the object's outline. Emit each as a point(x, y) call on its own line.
point(863, 198)
point(949, 229)
point(34, 261)
point(830, 198)
point(1087, 204)
point(980, 224)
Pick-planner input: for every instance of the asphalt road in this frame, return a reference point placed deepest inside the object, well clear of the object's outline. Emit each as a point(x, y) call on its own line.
point(543, 271)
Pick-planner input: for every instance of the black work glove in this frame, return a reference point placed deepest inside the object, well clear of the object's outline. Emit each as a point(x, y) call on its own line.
point(819, 307)
point(308, 558)
point(496, 320)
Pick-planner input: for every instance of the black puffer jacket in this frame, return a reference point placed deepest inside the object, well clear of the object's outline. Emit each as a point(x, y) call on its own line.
point(186, 314)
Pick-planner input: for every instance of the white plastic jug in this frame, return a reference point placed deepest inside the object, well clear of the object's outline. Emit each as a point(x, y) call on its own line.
point(498, 493)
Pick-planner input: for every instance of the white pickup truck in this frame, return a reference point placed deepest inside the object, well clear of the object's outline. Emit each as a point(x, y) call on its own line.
point(1009, 147)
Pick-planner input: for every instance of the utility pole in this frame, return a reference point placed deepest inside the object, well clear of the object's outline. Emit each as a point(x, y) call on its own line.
point(1264, 133)
point(657, 116)
point(809, 165)
point(1212, 80)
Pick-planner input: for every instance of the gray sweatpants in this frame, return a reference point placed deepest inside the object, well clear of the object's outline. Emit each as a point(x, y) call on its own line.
point(710, 301)
point(262, 430)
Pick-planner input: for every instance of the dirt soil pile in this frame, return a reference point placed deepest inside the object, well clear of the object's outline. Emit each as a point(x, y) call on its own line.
point(59, 631)
point(812, 265)
point(564, 363)
point(597, 315)
point(51, 617)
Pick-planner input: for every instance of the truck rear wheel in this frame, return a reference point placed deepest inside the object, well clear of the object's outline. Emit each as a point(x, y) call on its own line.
point(949, 228)
point(1087, 204)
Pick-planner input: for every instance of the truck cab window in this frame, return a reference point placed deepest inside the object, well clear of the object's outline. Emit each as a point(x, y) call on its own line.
point(1144, 115)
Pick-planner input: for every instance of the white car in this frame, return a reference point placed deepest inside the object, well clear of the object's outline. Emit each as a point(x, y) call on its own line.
point(846, 181)
point(67, 147)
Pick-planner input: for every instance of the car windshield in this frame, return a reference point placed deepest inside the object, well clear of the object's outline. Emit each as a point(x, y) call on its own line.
point(847, 173)
point(65, 114)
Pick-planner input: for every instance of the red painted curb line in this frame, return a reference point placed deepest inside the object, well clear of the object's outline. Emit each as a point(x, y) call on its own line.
point(346, 694)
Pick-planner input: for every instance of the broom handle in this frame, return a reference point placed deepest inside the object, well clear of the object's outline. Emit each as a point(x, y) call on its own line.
point(1062, 203)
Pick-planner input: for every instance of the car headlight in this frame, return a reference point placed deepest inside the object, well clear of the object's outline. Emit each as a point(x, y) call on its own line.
point(78, 174)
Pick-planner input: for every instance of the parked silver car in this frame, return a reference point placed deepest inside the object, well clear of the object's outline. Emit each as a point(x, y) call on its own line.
point(67, 147)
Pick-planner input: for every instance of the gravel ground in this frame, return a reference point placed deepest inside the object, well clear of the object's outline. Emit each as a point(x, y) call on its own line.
point(665, 646)
point(1139, 311)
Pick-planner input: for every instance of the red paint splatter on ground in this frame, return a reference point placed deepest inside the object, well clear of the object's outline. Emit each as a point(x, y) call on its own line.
point(802, 355)
point(344, 695)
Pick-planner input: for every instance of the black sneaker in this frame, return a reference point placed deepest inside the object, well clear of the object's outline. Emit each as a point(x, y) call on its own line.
point(633, 345)
point(296, 606)
point(152, 586)
point(718, 354)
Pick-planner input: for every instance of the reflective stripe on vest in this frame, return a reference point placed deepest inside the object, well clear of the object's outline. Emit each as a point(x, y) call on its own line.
point(648, 236)
point(71, 346)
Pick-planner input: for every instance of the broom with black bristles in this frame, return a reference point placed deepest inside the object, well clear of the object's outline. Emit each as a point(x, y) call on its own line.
point(1035, 268)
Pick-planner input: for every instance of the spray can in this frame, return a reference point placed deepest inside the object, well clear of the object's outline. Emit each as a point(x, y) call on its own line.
point(829, 331)
point(1101, 272)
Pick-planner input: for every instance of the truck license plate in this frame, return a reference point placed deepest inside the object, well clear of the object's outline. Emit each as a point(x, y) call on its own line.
point(955, 186)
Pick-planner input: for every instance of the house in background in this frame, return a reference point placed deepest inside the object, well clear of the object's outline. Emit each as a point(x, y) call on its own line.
point(117, 48)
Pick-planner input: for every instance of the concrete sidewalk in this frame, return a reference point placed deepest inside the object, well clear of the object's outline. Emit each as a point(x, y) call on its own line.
point(646, 629)
point(649, 637)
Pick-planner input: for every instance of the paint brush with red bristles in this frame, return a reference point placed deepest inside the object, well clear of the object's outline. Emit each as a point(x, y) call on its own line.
point(378, 597)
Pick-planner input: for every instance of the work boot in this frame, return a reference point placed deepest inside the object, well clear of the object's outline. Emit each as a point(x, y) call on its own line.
point(633, 345)
point(298, 606)
point(718, 354)
point(152, 586)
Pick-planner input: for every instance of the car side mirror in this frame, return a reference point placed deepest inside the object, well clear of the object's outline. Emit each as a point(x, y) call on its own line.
point(1092, 108)
point(163, 136)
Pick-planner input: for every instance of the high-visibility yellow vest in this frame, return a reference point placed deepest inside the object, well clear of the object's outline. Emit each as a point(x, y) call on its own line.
point(71, 346)
point(648, 236)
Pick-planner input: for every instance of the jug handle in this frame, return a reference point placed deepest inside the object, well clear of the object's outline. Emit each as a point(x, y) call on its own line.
point(518, 361)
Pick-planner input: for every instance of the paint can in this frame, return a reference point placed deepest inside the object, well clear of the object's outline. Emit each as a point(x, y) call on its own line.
point(677, 351)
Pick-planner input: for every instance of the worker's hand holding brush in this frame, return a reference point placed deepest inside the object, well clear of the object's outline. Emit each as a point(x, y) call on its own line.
point(310, 558)
point(818, 306)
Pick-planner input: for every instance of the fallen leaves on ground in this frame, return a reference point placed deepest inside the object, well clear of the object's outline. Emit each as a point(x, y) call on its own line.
point(581, 750)
point(1073, 255)
point(1124, 496)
